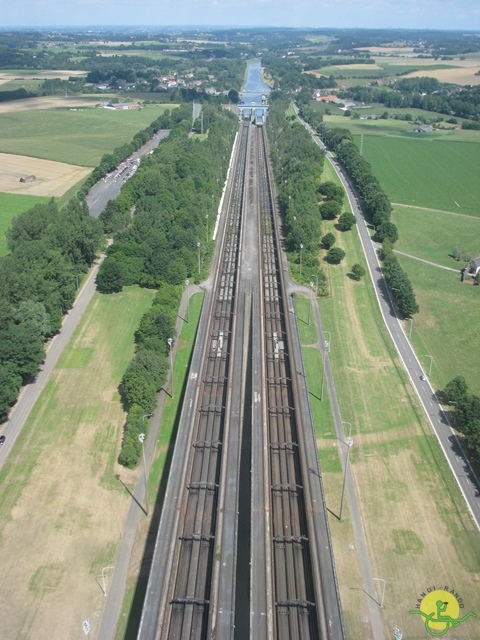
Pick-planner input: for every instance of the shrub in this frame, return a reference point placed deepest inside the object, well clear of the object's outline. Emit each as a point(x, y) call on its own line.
point(335, 255)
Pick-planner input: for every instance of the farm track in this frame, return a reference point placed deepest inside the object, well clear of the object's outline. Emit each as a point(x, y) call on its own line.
point(192, 586)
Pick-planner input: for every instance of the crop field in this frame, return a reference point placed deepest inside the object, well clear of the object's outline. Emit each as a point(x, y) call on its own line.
point(62, 508)
point(79, 136)
point(10, 207)
point(437, 174)
point(409, 502)
point(52, 179)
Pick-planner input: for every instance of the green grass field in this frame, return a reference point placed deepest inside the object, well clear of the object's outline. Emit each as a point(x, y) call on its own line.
point(442, 329)
point(435, 173)
point(432, 235)
point(10, 207)
point(78, 137)
point(62, 506)
point(427, 172)
point(409, 501)
point(21, 83)
point(131, 609)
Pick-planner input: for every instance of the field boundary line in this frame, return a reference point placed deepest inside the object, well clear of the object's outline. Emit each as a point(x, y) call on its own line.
point(433, 264)
point(450, 213)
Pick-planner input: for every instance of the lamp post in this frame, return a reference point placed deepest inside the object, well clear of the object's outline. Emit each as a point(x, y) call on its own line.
point(103, 580)
point(141, 437)
point(454, 414)
point(316, 286)
point(198, 247)
point(326, 345)
point(301, 249)
point(187, 282)
point(206, 216)
point(383, 592)
point(431, 362)
point(329, 341)
point(349, 445)
point(411, 324)
point(350, 432)
point(170, 340)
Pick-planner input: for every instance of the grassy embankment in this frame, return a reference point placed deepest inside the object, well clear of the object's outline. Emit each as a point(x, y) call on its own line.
point(138, 575)
point(411, 506)
point(63, 507)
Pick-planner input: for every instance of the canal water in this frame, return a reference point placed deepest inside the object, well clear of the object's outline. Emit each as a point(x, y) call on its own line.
point(255, 92)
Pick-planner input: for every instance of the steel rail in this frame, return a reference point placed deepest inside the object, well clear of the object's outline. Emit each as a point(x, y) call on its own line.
point(303, 543)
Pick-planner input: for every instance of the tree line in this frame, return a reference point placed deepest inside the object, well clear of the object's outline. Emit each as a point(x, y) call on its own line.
point(423, 93)
point(377, 208)
point(465, 407)
point(50, 248)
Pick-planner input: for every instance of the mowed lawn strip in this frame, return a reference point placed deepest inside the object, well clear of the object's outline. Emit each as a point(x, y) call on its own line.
point(410, 503)
point(137, 578)
point(78, 136)
point(62, 510)
point(10, 207)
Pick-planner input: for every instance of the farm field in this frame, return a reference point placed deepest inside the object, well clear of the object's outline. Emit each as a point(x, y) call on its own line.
point(11, 206)
point(433, 235)
point(71, 135)
point(62, 509)
point(442, 329)
point(426, 172)
point(410, 504)
point(53, 179)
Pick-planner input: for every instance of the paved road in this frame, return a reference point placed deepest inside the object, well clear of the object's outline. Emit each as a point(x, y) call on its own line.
point(467, 481)
point(109, 187)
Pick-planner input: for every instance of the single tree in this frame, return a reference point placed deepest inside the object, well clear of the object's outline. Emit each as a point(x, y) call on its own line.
point(328, 240)
point(346, 221)
point(335, 255)
point(358, 271)
point(330, 210)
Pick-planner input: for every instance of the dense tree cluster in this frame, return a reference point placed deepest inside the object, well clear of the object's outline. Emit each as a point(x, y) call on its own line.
point(466, 408)
point(171, 194)
point(298, 166)
point(422, 93)
point(49, 249)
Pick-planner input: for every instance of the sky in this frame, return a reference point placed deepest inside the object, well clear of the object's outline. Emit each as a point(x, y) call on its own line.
point(409, 14)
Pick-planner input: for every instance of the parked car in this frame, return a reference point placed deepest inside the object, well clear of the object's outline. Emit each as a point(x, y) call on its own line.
point(2, 440)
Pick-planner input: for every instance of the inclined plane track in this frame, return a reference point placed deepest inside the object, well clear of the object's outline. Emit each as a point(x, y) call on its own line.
point(246, 319)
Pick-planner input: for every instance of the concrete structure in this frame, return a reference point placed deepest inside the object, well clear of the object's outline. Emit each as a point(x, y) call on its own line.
point(121, 106)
